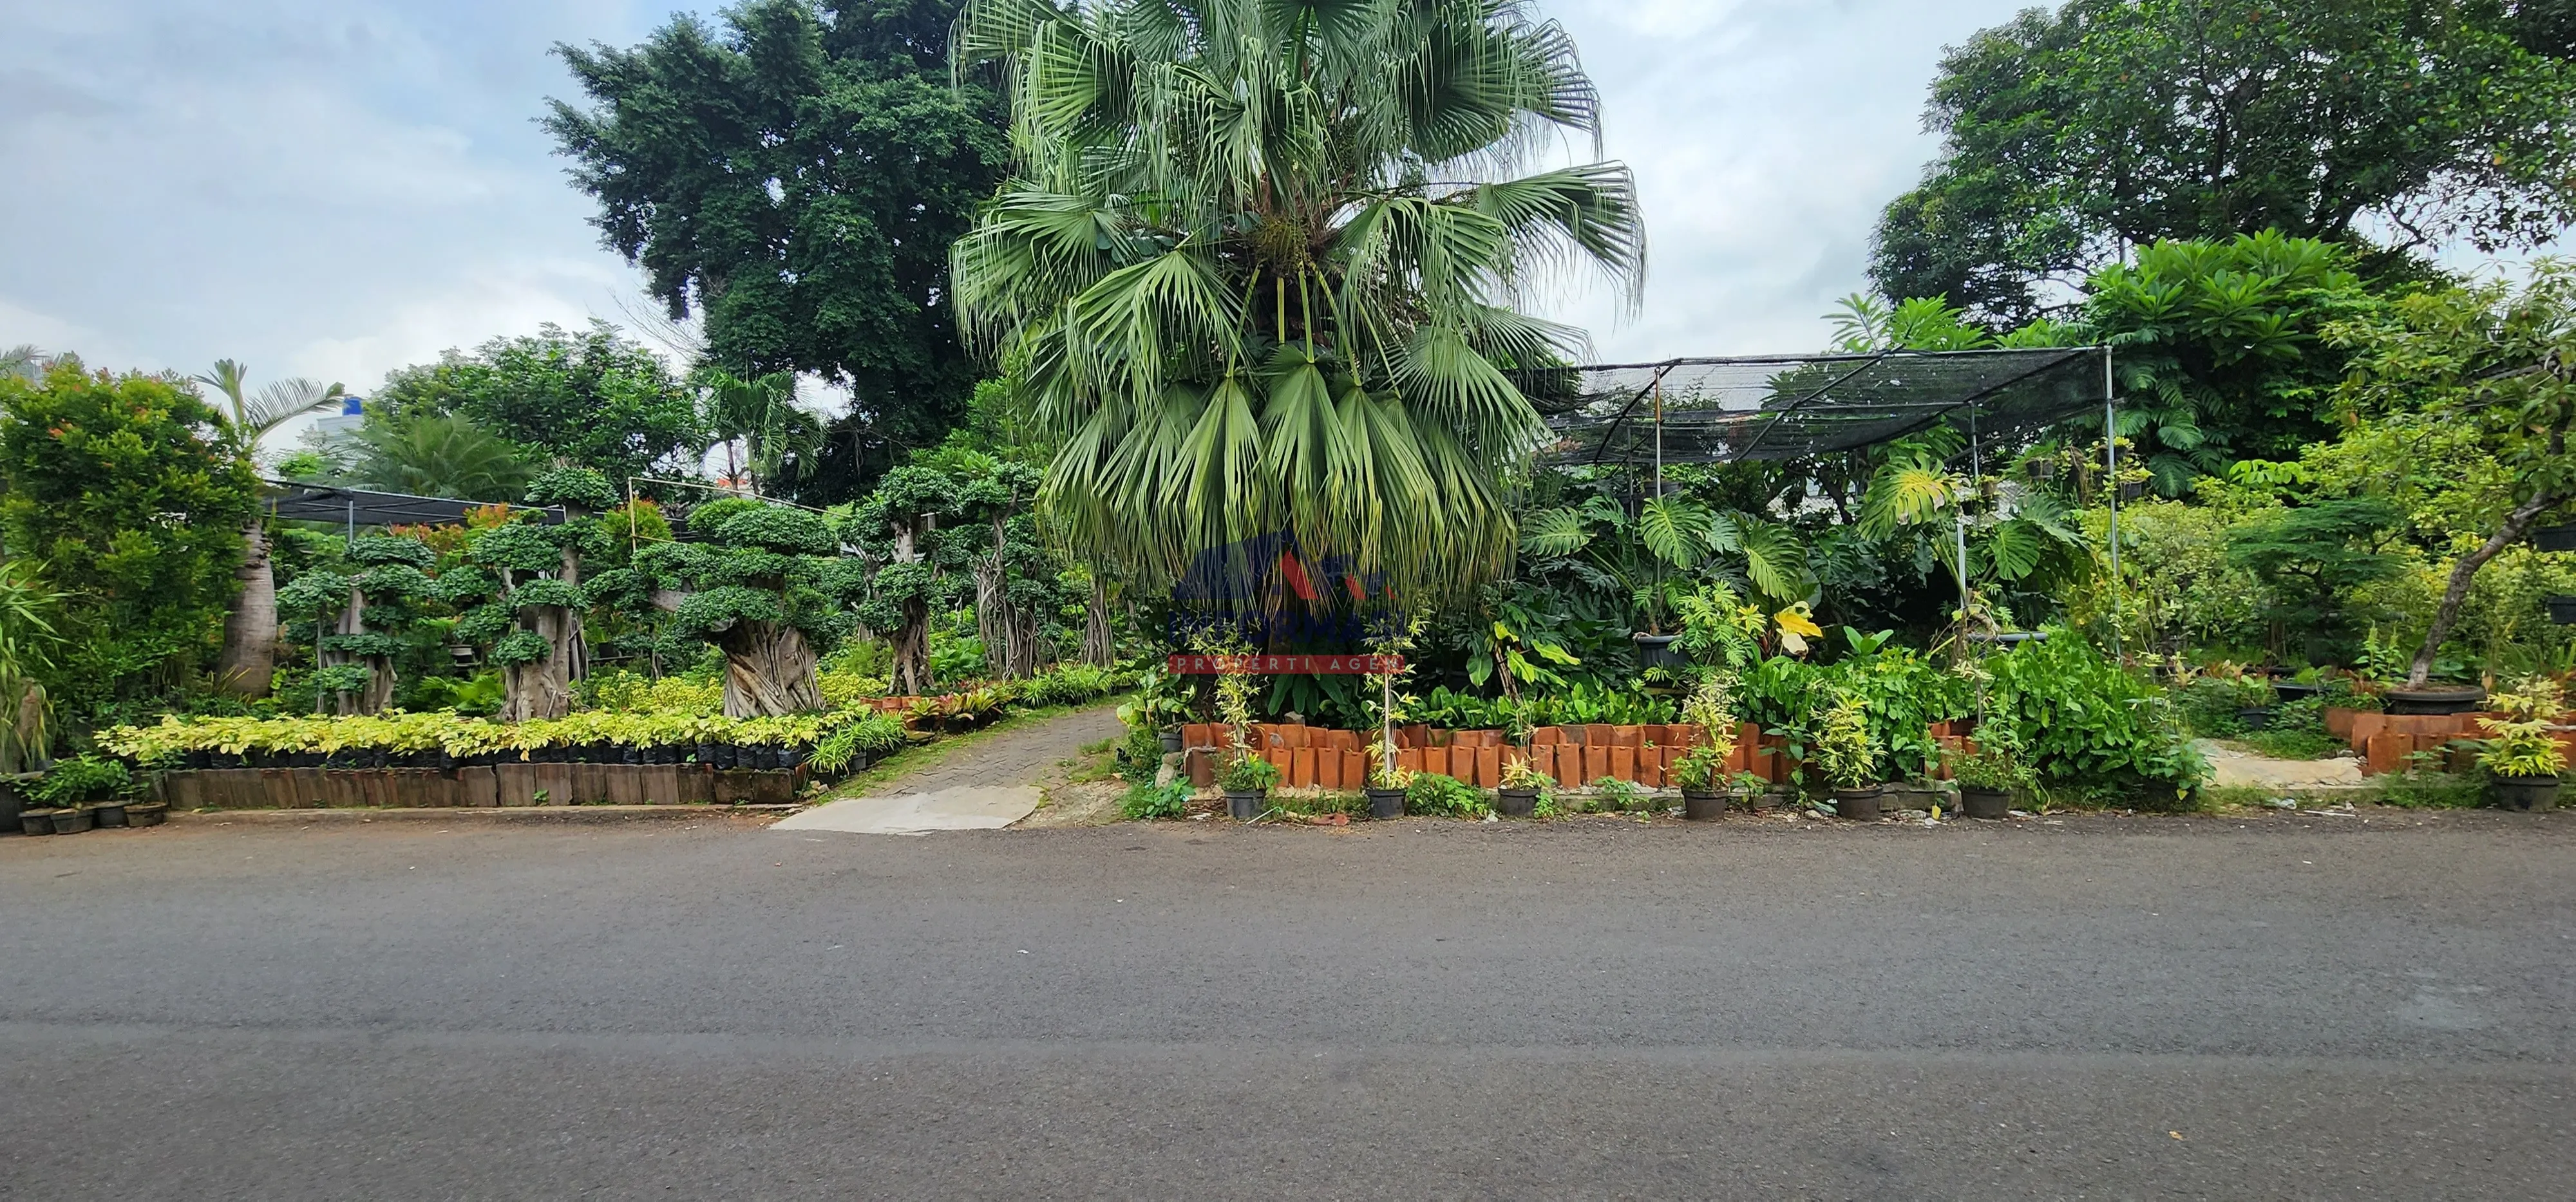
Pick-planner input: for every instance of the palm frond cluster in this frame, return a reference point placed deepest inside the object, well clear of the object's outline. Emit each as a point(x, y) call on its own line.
point(1258, 263)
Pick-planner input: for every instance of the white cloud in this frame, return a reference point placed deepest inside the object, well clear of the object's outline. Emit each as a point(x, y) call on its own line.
point(338, 187)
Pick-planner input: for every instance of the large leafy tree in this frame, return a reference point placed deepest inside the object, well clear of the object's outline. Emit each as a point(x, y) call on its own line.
point(2110, 122)
point(132, 493)
point(590, 398)
point(1256, 266)
point(2492, 367)
point(2219, 351)
point(794, 179)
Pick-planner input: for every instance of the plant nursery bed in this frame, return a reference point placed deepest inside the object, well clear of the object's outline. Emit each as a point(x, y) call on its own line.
point(576, 814)
point(495, 787)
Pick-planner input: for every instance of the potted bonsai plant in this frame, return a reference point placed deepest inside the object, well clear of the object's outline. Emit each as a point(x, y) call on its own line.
point(2521, 754)
point(1989, 776)
point(1849, 764)
point(1246, 779)
point(1522, 786)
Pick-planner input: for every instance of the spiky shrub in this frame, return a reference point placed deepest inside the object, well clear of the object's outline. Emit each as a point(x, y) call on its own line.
point(763, 585)
point(1257, 262)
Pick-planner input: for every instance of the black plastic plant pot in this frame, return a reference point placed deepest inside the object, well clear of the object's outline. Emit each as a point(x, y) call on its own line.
point(705, 754)
point(630, 754)
point(2435, 702)
point(2531, 794)
point(1171, 739)
point(1988, 805)
point(36, 822)
point(1703, 805)
point(2562, 609)
point(1656, 651)
point(1516, 803)
point(2288, 691)
point(72, 821)
point(795, 757)
point(1244, 805)
point(199, 759)
point(1386, 805)
point(727, 755)
point(108, 813)
point(2255, 717)
point(2554, 538)
point(146, 813)
point(1859, 805)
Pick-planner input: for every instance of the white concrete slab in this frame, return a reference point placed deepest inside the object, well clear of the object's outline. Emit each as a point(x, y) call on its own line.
point(2237, 769)
point(967, 808)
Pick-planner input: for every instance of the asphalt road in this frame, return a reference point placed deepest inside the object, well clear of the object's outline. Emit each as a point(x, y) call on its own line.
point(2109, 1008)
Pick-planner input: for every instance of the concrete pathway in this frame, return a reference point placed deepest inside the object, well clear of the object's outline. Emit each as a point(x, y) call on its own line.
point(990, 785)
point(2230, 768)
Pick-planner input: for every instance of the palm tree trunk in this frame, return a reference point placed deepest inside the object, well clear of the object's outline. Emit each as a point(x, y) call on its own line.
point(250, 628)
point(769, 671)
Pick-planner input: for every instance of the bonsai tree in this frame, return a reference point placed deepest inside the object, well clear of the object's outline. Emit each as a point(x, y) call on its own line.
point(525, 612)
point(1011, 571)
point(356, 618)
point(2314, 555)
point(898, 528)
point(763, 583)
point(380, 607)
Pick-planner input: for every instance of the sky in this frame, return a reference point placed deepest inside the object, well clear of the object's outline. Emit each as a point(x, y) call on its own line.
point(336, 189)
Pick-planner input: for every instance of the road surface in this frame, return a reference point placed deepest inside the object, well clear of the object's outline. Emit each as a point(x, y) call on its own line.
point(2108, 1008)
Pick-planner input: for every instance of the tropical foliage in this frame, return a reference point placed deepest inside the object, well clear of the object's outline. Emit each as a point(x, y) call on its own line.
point(1255, 265)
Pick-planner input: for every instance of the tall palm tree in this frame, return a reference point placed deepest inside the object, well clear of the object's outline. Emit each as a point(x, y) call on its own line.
point(25, 362)
point(250, 628)
point(1257, 263)
point(761, 414)
point(253, 416)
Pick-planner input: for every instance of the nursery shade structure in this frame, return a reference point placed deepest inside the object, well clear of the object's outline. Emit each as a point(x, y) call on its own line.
point(1791, 406)
point(355, 507)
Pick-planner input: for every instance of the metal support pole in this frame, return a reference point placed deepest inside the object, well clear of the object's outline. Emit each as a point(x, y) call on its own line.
point(353, 521)
point(1976, 489)
point(1659, 438)
point(2111, 456)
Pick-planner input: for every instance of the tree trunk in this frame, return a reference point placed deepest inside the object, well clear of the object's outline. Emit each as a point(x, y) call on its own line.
point(2516, 524)
point(353, 620)
point(769, 671)
point(571, 643)
point(1099, 647)
point(993, 617)
point(912, 651)
point(250, 629)
point(544, 689)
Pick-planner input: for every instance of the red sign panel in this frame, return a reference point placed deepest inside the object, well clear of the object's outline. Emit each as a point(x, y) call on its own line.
point(1285, 665)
